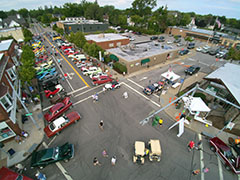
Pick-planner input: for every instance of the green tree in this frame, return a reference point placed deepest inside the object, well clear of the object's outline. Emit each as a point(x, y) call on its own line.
point(27, 35)
point(79, 39)
point(3, 15)
point(143, 7)
point(185, 20)
point(23, 12)
point(161, 15)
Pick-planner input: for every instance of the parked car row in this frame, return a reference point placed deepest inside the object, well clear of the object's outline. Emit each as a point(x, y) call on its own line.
point(218, 52)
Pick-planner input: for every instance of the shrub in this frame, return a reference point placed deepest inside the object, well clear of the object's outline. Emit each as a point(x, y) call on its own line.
point(120, 68)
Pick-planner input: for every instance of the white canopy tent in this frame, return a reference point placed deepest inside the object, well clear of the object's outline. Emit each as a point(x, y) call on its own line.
point(196, 105)
point(170, 75)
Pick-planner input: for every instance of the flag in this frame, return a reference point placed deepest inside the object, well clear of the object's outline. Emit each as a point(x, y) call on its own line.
point(170, 68)
point(218, 22)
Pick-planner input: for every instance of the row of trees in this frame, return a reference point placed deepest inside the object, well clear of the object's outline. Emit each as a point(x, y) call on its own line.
point(141, 14)
point(26, 70)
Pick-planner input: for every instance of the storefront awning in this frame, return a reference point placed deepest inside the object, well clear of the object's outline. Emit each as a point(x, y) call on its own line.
point(113, 57)
point(145, 61)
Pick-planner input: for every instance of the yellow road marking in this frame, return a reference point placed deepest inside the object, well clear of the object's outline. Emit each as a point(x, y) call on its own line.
point(69, 64)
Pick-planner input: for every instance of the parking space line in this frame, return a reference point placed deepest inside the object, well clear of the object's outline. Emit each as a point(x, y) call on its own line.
point(60, 167)
point(62, 72)
point(87, 91)
point(201, 157)
point(74, 91)
point(141, 86)
point(68, 63)
point(158, 105)
point(220, 169)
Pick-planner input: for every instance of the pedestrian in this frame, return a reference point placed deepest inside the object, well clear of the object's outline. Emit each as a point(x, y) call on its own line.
point(104, 153)
point(195, 172)
point(191, 145)
point(205, 170)
point(60, 65)
point(101, 125)
point(96, 97)
point(198, 145)
point(146, 152)
point(160, 122)
point(113, 160)
point(96, 162)
point(104, 89)
point(20, 168)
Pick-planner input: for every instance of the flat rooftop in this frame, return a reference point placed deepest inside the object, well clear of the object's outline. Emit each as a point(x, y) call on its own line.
point(133, 52)
point(5, 45)
point(104, 37)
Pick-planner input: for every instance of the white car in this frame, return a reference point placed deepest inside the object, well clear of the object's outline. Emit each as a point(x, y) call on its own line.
point(97, 75)
point(199, 49)
point(131, 39)
point(169, 42)
point(91, 70)
point(83, 64)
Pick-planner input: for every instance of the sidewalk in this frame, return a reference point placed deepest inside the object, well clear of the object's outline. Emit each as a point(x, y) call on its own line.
point(24, 150)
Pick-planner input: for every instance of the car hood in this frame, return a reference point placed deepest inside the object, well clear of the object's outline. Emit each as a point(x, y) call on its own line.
point(47, 116)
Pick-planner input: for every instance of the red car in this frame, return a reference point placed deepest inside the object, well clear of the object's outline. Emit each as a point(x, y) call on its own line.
point(60, 123)
point(53, 90)
point(7, 174)
point(101, 80)
point(66, 47)
point(72, 52)
point(231, 160)
point(58, 109)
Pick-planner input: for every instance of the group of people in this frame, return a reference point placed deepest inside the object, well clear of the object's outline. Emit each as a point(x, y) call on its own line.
point(104, 153)
point(191, 145)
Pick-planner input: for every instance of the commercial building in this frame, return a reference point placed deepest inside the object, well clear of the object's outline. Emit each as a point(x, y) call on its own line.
point(107, 40)
point(81, 24)
point(9, 56)
point(145, 55)
point(16, 33)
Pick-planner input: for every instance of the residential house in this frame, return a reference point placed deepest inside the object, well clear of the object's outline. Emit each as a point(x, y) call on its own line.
point(14, 21)
point(9, 56)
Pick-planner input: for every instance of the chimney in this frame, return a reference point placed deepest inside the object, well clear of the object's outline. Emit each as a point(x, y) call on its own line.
point(18, 16)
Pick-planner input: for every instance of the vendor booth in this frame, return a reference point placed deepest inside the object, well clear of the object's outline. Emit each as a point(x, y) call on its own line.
point(171, 78)
point(197, 107)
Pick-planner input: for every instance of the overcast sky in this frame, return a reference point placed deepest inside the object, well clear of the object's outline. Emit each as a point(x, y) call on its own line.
point(228, 8)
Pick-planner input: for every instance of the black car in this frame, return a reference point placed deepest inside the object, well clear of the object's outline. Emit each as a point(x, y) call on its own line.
point(183, 52)
point(191, 45)
point(161, 39)
point(50, 82)
point(192, 69)
point(153, 38)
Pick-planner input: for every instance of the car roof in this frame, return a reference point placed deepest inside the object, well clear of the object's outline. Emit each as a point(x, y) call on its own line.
point(139, 148)
point(56, 107)
point(59, 121)
point(220, 144)
point(155, 146)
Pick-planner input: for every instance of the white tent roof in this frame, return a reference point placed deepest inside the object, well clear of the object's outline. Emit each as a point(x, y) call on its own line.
point(170, 75)
point(195, 104)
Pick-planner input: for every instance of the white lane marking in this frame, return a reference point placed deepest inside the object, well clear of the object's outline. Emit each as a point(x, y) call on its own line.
point(88, 91)
point(135, 83)
point(158, 105)
point(47, 108)
point(52, 140)
point(201, 158)
point(62, 73)
point(82, 100)
point(77, 90)
point(238, 177)
point(141, 86)
point(143, 78)
point(198, 61)
point(60, 167)
point(220, 169)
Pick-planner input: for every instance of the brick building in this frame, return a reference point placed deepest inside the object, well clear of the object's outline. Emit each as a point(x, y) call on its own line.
point(108, 40)
point(9, 56)
point(145, 55)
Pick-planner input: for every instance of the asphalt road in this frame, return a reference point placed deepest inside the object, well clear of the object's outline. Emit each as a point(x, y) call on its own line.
point(122, 128)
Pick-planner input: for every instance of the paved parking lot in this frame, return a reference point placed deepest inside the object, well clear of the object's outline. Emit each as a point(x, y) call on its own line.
point(121, 118)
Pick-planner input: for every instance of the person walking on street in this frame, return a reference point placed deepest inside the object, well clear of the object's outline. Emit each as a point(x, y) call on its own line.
point(96, 162)
point(191, 145)
point(113, 160)
point(101, 125)
point(160, 122)
point(198, 145)
point(104, 153)
point(205, 169)
point(104, 89)
point(195, 172)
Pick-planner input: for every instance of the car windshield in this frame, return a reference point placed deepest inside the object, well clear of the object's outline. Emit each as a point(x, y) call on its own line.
point(56, 153)
point(52, 127)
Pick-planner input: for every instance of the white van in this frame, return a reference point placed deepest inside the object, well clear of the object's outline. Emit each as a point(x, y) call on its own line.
point(80, 57)
point(91, 70)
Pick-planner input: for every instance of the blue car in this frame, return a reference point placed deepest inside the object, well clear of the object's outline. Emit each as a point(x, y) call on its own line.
point(149, 90)
point(51, 73)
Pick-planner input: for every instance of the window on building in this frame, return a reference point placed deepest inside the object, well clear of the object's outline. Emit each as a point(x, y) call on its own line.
point(6, 102)
point(98, 27)
point(78, 29)
point(12, 73)
point(119, 44)
point(90, 27)
point(111, 45)
point(14, 58)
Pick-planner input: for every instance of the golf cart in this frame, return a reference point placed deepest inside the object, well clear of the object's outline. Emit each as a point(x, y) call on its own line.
point(139, 152)
point(154, 150)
